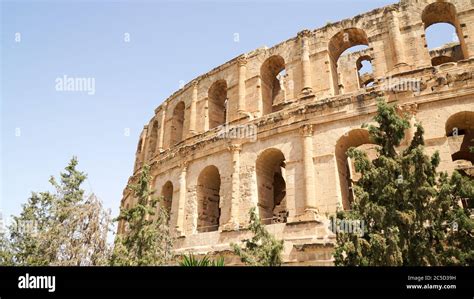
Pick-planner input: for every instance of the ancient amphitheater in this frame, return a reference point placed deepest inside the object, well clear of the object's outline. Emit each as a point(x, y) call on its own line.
point(270, 128)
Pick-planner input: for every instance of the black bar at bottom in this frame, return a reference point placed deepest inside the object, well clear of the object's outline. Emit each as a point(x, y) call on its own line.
point(222, 282)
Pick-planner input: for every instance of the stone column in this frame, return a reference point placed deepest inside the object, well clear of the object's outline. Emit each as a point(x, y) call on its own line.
point(234, 206)
point(242, 62)
point(308, 166)
point(333, 76)
point(410, 110)
point(162, 126)
point(192, 116)
point(305, 62)
point(145, 142)
point(206, 114)
point(253, 189)
point(259, 96)
point(396, 41)
point(181, 201)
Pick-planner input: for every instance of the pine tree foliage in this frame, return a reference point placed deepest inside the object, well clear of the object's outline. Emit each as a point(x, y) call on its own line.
point(6, 258)
point(412, 213)
point(147, 240)
point(60, 228)
point(262, 249)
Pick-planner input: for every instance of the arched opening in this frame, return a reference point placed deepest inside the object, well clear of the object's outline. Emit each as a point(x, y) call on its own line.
point(217, 104)
point(138, 155)
point(339, 43)
point(369, 83)
point(167, 197)
point(270, 168)
point(139, 147)
point(208, 196)
point(365, 72)
point(273, 76)
point(153, 139)
point(443, 33)
point(358, 138)
point(177, 124)
point(460, 133)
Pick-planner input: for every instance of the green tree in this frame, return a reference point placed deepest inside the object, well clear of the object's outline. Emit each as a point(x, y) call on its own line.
point(6, 258)
point(262, 249)
point(62, 227)
point(147, 240)
point(411, 213)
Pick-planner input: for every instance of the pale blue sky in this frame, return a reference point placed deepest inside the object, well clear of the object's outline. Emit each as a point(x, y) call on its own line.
point(169, 42)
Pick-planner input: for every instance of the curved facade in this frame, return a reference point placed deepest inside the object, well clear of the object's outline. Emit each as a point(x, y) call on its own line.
point(270, 128)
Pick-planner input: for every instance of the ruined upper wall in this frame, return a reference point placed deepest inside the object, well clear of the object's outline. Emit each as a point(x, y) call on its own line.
point(394, 35)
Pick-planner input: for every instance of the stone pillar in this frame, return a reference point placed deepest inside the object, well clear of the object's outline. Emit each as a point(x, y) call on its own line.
point(162, 126)
point(233, 223)
point(412, 130)
point(253, 189)
point(333, 76)
point(206, 114)
point(192, 116)
point(259, 96)
point(410, 110)
point(396, 41)
point(145, 142)
point(305, 62)
point(181, 201)
point(308, 172)
point(242, 62)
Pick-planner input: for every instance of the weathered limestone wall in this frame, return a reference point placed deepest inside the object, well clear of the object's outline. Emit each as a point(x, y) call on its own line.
point(300, 105)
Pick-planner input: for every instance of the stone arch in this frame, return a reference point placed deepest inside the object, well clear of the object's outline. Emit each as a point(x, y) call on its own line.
point(444, 12)
point(270, 168)
point(355, 138)
point(153, 139)
point(167, 196)
point(460, 133)
point(339, 43)
point(271, 74)
point(177, 124)
point(208, 199)
point(218, 104)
